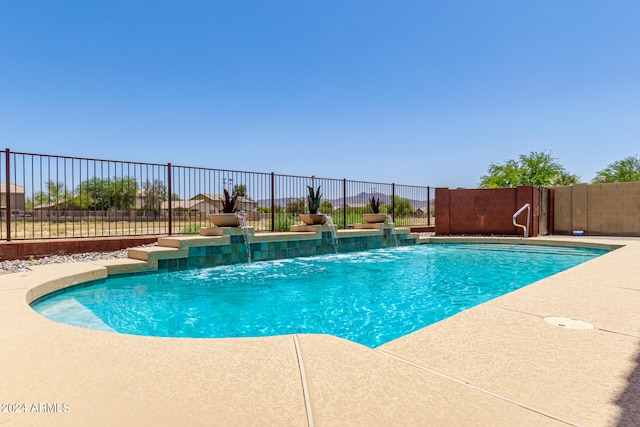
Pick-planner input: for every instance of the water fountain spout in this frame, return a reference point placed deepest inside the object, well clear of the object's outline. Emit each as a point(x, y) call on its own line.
point(245, 233)
point(334, 233)
point(393, 229)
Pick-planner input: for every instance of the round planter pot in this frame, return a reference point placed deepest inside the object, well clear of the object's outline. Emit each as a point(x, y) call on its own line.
point(224, 219)
point(313, 219)
point(373, 218)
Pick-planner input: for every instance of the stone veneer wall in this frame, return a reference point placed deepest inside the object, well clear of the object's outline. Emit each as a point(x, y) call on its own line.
point(235, 252)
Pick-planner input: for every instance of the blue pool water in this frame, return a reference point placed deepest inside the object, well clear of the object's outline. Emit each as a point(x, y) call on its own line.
point(368, 297)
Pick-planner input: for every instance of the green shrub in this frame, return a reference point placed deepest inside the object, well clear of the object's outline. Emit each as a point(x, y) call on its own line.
point(326, 207)
point(283, 223)
point(295, 206)
point(191, 229)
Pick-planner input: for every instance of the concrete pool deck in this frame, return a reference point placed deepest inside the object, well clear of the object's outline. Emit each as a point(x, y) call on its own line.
point(496, 364)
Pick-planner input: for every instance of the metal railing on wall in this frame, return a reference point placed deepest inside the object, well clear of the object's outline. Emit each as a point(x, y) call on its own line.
point(48, 196)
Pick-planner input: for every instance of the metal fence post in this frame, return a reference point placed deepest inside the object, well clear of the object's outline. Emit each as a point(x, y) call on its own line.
point(344, 201)
point(8, 193)
point(170, 197)
point(428, 205)
point(273, 202)
point(393, 201)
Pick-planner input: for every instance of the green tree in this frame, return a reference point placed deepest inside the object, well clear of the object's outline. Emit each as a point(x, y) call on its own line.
point(625, 170)
point(296, 206)
point(153, 194)
point(54, 195)
point(400, 207)
point(501, 176)
point(123, 193)
point(240, 189)
point(95, 191)
point(326, 207)
point(535, 168)
point(104, 194)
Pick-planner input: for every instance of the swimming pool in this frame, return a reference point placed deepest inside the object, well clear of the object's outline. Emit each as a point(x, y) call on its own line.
point(368, 297)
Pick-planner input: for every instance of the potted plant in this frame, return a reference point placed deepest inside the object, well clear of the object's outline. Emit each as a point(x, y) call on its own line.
point(228, 217)
point(313, 202)
point(376, 217)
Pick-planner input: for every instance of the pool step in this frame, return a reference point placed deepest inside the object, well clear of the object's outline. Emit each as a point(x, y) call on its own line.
point(152, 254)
point(528, 248)
point(182, 242)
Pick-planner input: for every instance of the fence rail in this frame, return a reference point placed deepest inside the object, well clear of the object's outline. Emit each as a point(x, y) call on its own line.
point(47, 197)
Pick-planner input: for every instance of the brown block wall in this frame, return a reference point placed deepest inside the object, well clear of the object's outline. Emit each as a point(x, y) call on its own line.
point(579, 201)
point(442, 211)
point(484, 211)
point(598, 209)
point(527, 194)
point(562, 210)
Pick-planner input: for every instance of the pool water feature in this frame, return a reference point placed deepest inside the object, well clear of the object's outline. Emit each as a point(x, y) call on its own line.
point(393, 229)
point(334, 233)
point(368, 297)
point(245, 234)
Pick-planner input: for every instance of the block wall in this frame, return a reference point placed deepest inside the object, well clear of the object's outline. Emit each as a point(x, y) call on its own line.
point(562, 210)
point(599, 209)
point(484, 211)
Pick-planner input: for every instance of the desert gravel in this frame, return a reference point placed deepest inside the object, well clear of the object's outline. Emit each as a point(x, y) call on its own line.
point(17, 266)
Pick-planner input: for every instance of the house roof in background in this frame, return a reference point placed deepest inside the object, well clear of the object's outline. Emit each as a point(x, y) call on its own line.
point(19, 189)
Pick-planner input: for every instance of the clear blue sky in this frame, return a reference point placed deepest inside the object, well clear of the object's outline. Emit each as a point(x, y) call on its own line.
point(413, 92)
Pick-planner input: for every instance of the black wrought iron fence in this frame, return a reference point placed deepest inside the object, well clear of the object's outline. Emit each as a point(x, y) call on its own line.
point(48, 196)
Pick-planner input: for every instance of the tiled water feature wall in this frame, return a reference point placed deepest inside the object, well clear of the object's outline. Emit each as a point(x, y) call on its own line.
point(231, 249)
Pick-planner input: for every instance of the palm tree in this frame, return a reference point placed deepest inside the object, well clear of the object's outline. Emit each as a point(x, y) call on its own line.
point(565, 178)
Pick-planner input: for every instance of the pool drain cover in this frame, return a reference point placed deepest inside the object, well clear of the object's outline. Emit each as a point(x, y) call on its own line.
point(568, 323)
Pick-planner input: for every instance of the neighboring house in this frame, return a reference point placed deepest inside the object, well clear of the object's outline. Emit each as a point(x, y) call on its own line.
point(202, 204)
point(140, 199)
point(55, 210)
point(419, 213)
point(190, 208)
point(242, 204)
point(16, 198)
point(147, 200)
point(71, 211)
